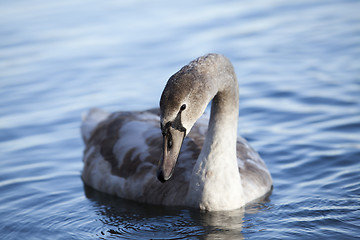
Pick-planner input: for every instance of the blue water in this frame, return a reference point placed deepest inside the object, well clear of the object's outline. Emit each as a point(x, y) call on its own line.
point(298, 65)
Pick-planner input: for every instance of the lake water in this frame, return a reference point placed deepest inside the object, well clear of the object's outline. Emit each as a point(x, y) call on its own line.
point(298, 65)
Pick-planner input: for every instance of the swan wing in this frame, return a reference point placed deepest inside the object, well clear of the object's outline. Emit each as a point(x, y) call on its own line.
point(121, 157)
point(255, 177)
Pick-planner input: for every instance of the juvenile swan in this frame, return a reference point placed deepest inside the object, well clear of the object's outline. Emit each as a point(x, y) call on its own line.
point(126, 154)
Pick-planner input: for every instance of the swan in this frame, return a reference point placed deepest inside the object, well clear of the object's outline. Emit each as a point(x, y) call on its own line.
point(211, 168)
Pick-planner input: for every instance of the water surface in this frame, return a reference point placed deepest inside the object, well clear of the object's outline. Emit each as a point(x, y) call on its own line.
point(298, 65)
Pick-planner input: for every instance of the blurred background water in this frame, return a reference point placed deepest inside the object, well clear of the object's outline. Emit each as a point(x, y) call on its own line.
point(298, 65)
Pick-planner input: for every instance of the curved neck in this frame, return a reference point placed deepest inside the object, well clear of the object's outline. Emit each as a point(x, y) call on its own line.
point(215, 183)
point(222, 130)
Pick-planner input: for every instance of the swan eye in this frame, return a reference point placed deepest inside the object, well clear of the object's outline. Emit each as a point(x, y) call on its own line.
point(183, 107)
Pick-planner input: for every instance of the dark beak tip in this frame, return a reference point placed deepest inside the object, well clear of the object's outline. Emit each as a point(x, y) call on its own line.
point(160, 176)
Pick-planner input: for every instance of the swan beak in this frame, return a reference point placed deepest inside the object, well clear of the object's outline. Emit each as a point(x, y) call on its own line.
point(172, 141)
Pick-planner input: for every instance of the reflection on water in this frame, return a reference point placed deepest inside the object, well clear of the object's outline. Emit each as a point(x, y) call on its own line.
point(123, 218)
point(298, 68)
point(128, 218)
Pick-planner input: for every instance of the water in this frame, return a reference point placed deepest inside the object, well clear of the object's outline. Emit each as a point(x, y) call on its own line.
point(298, 64)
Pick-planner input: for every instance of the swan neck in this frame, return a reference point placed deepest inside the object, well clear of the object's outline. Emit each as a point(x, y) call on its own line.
point(222, 130)
point(216, 183)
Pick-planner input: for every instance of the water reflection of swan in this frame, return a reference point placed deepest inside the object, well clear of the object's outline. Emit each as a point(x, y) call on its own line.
point(125, 150)
point(122, 218)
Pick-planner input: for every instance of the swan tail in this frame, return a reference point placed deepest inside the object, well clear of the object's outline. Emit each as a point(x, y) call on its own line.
point(90, 121)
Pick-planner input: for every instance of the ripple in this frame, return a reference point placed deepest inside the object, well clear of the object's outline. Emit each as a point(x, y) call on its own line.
point(298, 70)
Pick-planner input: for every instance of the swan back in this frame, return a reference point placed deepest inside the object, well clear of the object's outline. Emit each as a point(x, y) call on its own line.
point(90, 121)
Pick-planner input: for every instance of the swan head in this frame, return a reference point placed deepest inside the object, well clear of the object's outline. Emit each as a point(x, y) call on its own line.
point(183, 101)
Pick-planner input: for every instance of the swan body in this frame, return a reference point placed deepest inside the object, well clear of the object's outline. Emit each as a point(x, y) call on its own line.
point(210, 167)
